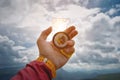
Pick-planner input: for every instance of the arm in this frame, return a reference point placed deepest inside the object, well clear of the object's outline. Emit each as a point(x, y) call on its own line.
point(50, 58)
point(34, 71)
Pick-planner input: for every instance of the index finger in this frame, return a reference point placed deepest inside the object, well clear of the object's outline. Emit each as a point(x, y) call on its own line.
point(70, 29)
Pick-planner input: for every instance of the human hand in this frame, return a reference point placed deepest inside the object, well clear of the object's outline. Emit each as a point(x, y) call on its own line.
point(48, 50)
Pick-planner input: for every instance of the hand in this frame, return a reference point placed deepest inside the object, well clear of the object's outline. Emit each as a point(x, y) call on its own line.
point(48, 50)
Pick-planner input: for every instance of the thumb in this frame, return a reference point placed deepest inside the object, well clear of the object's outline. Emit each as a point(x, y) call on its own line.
point(45, 33)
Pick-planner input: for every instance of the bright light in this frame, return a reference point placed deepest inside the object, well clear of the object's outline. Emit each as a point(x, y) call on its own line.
point(59, 24)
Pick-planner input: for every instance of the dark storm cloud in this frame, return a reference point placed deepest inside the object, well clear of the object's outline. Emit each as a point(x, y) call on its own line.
point(7, 53)
point(21, 36)
point(15, 45)
point(100, 47)
point(98, 59)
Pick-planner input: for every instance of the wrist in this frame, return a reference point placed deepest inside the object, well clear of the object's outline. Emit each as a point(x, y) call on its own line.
point(49, 64)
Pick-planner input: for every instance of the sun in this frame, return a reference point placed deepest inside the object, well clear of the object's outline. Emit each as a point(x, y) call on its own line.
point(59, 24)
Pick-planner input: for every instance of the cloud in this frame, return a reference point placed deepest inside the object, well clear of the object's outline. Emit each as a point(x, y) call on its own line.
point(97, 43)
point(21, 36)
point(12, 55)
point(16, 46)
point(113, 11)
point(96, 58)
point(105, 30)
point(11, 11)
point(7, 53)
point(99, 48)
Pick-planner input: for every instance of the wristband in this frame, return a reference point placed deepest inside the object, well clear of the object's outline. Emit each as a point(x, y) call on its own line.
point(49, 64)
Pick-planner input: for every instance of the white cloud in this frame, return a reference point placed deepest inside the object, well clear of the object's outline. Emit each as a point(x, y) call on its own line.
point(75, 11)
point(18, 48)
point(12, 11)
point(118, 5)
point(100, 44)
point(112, 11)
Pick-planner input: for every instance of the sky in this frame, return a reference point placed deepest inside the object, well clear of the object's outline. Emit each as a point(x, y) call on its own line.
point(97, 21)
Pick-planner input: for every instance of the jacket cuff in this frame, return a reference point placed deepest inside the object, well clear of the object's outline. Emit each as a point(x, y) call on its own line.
point(49, 64)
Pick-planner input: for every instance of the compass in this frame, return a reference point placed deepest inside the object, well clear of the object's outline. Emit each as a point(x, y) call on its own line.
point(60, 39)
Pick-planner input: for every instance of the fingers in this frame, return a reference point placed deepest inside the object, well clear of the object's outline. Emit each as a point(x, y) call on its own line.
point(73, 34)
point(45, 33)
point(70, 43)
point(67, 52)
point(71, 31)
point(68, 30)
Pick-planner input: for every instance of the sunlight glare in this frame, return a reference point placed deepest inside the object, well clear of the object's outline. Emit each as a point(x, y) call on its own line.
point(59, 24)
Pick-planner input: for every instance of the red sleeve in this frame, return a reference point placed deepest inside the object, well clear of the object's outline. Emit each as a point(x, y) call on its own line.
point(34, 71)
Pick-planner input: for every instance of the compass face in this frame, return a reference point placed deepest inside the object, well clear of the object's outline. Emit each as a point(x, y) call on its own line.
point(60, 39)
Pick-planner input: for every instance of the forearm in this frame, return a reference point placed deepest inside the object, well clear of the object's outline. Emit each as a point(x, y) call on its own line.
point(34, 71)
